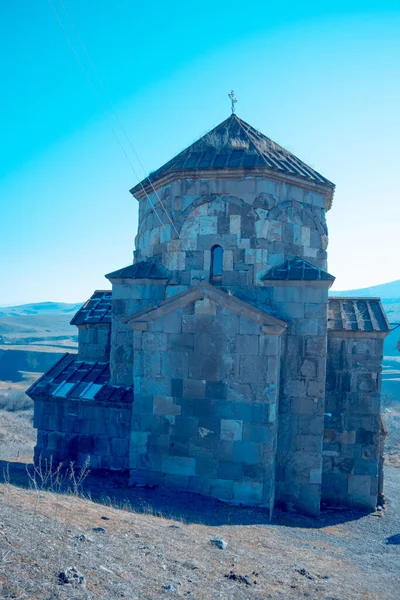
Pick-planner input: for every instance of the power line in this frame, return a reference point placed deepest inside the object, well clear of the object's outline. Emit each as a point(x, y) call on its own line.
point(97, 76)
point(102, 106)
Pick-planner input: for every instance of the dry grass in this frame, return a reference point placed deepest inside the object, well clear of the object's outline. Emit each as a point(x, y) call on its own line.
point(139, 555)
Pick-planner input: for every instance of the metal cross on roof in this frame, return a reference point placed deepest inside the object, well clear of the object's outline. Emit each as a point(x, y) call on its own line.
point(233, 100)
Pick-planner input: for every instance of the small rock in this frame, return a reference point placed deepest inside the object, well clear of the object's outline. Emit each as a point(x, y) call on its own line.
point(220, 543)
point(239, 578)
point(98, 529)
point(83, 538)
point(305, 573)
point(170, 587)
point(70, 576)
point(379, 508)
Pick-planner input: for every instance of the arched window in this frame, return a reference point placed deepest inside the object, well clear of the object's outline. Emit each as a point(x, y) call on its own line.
point(217, 254)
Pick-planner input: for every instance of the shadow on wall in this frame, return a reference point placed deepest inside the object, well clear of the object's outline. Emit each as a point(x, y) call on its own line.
point(111, 490)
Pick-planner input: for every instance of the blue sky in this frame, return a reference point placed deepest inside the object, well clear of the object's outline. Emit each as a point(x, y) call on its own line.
point(320, 78)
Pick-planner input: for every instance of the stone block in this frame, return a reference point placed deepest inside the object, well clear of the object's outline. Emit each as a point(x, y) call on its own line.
point(181, 342)
point(186, 426)
point(153, 342)
point(247, 493)
point(228, 260)
point(316, 476)
point(359, 485)
point(189, 323)
point(207, 225)
point(306, 326)
point(229, 470)
point(316, 389)
point(177, 481)
point(248, 453)
point(259, 433)
point(309, 368)
point(175, 365)
point(194, 388)
point(366, 467)
point(200, 485)
point(202, 447)
point(235, 224)
point(231, 430)
point(172, 322)
point(205, 306)
point(294, 387)
point(310, 425)
point(221, 489)
point(247, 344)
point(216, 390)
point(308, 443)
point(207, 467)
point(269, 345)
point(164, 405)
point(178, 465)
point(252, 368)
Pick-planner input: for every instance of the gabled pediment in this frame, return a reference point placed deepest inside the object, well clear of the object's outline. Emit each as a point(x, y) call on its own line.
point(297, 269)
point(200, 292)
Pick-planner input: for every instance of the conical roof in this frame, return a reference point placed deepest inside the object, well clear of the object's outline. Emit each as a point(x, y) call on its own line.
point(234, 145)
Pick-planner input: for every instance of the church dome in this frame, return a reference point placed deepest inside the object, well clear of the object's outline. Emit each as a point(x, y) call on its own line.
point(232, 146)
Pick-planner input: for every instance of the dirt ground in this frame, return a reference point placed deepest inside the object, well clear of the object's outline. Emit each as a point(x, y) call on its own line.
point(154, 544)
point(148, 544)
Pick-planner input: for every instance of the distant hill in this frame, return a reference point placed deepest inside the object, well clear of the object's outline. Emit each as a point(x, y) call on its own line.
point(385, 291)
point(39, 308)
point(43, 323)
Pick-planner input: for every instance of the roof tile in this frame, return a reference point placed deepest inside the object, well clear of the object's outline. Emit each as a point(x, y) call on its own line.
point(356, 314)
point(235, 144)
point(76, 379)
point(95, 310)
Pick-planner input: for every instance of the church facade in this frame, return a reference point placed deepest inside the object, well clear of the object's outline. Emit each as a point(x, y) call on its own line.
point(218, 363)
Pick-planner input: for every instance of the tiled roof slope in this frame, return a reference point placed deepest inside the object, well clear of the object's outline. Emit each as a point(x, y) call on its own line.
point(95, 310)
point(234, 144)
point(356, 314)
point(297, 269)
point(80, 380)
point(141, 270)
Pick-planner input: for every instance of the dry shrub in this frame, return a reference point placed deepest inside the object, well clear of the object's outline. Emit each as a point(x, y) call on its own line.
point(14, 400)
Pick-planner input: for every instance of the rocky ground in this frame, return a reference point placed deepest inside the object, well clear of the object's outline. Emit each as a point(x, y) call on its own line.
point(148, 544)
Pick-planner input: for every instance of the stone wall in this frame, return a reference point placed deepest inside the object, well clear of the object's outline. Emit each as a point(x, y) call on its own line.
point(72, 430)
point(205, 412)
point(94, 342)
point(258, 221)
point(128, 298)
point(352, 421)
point(303, 305)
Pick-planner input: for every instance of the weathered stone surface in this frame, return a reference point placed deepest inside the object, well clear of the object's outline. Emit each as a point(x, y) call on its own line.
point(226, 405)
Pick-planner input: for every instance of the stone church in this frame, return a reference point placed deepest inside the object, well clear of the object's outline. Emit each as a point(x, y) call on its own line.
point(218, 363)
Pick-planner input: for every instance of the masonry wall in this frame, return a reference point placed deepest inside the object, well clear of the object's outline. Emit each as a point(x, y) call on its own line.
point(73, 430)
point(303, 305)
point(352, 422)
point(204, 416)
point(128, 298)
point(259, 222)
point(94, 342)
